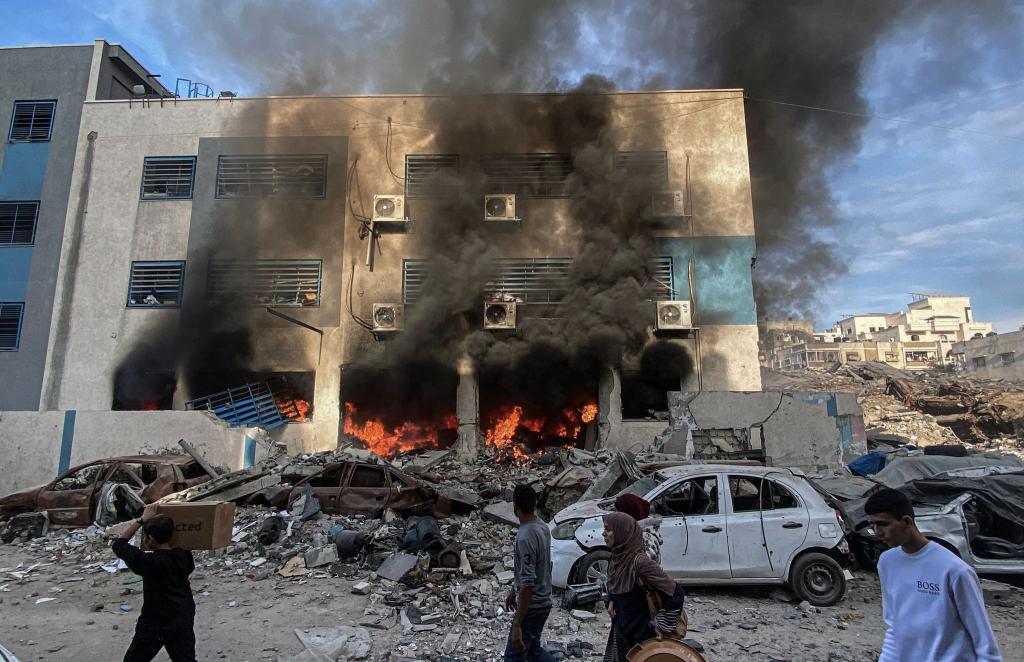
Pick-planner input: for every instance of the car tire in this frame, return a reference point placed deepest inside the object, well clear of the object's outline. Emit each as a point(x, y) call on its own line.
point(593, 567)
point(818, 578)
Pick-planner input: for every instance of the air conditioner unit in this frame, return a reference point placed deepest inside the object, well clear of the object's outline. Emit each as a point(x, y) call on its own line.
point(388, 209)
point(500, 207)
point(388, 317)
point(667, 204)
point(674, 315)
point(500, 315)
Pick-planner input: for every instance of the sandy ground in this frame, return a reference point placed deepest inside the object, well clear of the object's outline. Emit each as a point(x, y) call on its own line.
point(85, 620)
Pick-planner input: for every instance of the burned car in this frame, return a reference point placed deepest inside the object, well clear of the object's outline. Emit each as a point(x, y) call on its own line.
point(108, 489)
point(980, 519)
point(352, 487)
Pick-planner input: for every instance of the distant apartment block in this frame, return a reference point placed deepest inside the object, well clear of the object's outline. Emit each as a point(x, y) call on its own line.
point(996, 356)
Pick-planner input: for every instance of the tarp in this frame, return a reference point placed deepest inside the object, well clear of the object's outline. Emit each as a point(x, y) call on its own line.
point(902, 470)
point(1002, 493)
point(869, 464)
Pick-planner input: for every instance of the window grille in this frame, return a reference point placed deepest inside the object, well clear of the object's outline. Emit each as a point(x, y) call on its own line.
point(270, 176)
point(10, 325)
point(529, 175)
point(252, 405)
point(32, 121)
point(156, 284)
point(18, 223)
point(660, 284)
point(168, 177)
point(420, 170)
point(652, 165)
point(539, 280)
point(265, 282)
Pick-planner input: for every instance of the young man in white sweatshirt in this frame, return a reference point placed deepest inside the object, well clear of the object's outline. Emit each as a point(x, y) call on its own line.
point(931, 600)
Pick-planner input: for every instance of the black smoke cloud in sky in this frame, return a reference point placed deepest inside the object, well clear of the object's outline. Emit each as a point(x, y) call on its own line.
point(806, 51)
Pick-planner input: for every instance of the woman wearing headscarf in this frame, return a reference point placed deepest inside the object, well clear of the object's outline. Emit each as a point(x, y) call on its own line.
point(650, 525)
point(645, 601)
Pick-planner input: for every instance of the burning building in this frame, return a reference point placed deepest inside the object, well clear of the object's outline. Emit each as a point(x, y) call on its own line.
point(517, 270)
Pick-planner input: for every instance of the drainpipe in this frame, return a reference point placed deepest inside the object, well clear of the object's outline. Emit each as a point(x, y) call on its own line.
point(62, 307)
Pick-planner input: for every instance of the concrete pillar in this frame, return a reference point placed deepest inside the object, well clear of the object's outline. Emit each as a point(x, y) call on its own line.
point(609, 404)
point(467, 412)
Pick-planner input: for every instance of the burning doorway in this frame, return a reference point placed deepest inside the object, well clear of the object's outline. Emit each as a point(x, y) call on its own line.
point(546, 404)
point(291, 394)
point(398, 409)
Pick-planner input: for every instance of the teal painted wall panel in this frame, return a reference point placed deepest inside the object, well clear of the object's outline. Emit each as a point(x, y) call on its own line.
point(14, 268)
point(721, 276)
point(24, 169)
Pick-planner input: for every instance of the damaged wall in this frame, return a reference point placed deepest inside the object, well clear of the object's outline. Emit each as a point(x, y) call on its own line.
point(812, 431)
point(41, 439)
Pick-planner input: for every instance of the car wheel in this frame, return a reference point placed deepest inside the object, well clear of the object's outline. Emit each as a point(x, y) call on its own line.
point(818, 579)
point(593, 568)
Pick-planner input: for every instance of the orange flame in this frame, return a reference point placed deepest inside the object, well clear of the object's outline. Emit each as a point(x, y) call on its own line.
point(388, 443)
point(505, 425)
point(588, 413)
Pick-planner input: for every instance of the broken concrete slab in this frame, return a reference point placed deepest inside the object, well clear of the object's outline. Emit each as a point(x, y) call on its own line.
point(426, 461)
point(501, 512)
point(505, 576)
point(581, 615)
point(351, 643)
point(293, 567)
point(362, 588)
point(243, 490)
point(321, 556)
point(396, 565)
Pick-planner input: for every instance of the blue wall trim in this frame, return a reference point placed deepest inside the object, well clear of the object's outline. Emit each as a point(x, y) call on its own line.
point(15, 263)
point(66, 440)
point(24, 170)
point(721, 276)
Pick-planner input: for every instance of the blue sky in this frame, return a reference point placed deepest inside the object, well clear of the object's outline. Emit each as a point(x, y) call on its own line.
point(922, 208)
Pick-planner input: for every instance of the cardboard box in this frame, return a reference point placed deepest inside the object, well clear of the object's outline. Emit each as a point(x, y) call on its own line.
point(205, 525)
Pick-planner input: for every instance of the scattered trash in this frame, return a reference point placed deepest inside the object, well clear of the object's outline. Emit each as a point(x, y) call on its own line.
point(396, 565)
point(125, 607)
point(351, 643)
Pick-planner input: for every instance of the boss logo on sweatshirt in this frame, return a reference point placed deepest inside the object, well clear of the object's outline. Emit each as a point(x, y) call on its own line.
point(927, 587)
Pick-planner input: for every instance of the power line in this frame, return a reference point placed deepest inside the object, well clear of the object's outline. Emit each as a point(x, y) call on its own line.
point(885, 118)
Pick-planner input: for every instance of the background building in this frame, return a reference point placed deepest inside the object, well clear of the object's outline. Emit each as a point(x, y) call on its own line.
point(995, 356)
point(41, 99)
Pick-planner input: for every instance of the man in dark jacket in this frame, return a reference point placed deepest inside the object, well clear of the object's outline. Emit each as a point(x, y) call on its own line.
point(168, 610)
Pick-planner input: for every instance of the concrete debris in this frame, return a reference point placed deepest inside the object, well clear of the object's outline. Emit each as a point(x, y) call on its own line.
point(581, 615)
point(293, 567)
point(362, 588)
point(321, 556)
point(501, 512)
point(396, 566)
point(343, 641)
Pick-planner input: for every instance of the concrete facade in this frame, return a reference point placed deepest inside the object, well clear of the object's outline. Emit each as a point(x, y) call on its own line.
point(711, 257)
point(998, 356)
point(40, 171)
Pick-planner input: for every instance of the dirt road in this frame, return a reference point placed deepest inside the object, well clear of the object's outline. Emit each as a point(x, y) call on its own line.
point(240, 618)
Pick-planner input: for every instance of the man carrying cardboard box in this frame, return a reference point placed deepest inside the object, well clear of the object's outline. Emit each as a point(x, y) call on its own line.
point(168, 610)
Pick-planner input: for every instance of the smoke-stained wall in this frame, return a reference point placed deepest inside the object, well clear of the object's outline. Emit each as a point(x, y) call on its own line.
point(711, 257)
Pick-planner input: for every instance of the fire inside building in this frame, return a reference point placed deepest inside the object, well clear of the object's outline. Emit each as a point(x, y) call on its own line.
point(512, 271)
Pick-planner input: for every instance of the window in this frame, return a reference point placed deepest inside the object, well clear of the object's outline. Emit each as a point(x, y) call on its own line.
point(853, 356)
point(156, 284)
point(651, 166)
point(265, 282)
point(697, 496)
point(537, 280)
point(1005, 359)
point(168, 177)
point(18, 223)
point(750, 494)
point(530, 175)
point(830, 356)
point(329, 478)
point(82, 478)
point(978, 362)
point(10, 325)
point(423, 172)
point(32, 121)
point(276, 176)
point(365, 476)
point(892, 357)
point(915, 338)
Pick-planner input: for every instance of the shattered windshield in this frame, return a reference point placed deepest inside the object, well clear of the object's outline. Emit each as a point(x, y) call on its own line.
point(641, 487)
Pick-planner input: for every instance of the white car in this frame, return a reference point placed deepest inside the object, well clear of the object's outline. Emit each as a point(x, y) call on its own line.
point(721, 524)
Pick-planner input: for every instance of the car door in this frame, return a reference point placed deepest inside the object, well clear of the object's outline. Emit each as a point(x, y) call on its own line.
point(367, 490)
point(786, 519)
point(327, 487)
point(69, 499)
point(694, 528)
point(748, 552)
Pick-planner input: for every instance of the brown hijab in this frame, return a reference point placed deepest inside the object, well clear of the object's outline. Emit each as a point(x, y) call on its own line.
point(628, 557)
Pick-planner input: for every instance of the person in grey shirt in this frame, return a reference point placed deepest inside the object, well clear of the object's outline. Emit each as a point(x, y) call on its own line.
point(530, 596)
